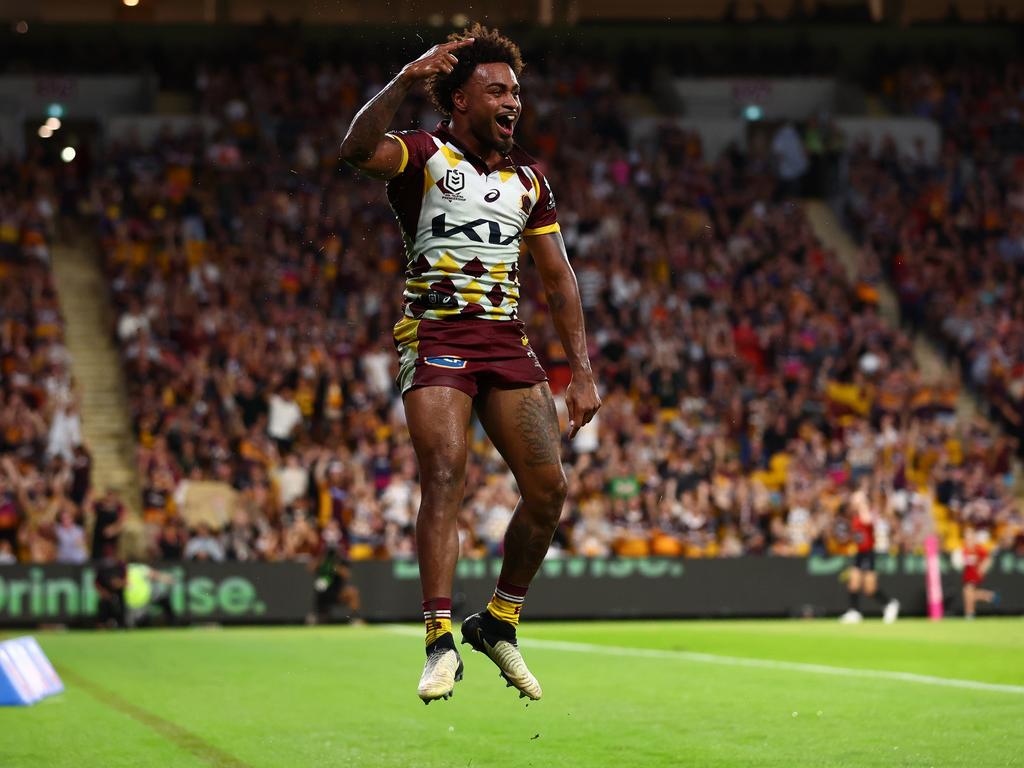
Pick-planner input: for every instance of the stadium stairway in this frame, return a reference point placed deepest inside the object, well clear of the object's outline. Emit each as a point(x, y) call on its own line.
point(929, 359)
point(96, 365)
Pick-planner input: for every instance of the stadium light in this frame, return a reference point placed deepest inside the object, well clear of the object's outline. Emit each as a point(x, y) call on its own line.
point(460, 20)
point(68, 154)
point(55, 110)
point(53, 123)
point(753, 112)
point(21, 27)
point(45, 131)
point(130, 3)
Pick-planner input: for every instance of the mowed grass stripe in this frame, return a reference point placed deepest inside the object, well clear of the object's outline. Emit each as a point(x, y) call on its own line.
point(171, 731)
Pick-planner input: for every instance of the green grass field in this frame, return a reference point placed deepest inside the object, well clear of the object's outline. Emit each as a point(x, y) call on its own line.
point(615, 694)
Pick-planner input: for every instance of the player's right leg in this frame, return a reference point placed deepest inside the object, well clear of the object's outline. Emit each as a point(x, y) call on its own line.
point(854, 586)
point(438, 419)
point(969, 600)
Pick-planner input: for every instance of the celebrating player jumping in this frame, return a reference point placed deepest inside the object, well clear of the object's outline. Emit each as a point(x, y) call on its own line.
point(465, 197)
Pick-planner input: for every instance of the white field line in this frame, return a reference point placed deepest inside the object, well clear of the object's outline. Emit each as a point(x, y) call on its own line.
point(738, 661)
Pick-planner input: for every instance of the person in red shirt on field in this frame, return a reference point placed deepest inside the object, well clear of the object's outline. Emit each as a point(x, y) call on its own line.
point(976, 563)
point(863, 578)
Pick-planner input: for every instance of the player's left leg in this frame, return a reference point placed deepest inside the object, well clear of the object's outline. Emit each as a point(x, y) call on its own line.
point(523, 426)
point(349, 596)
point(890, 607)
point(984, 595)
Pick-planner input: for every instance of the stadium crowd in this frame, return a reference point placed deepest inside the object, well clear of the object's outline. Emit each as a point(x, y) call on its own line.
point(44, 466)
point(950, 232)
point(748, 386)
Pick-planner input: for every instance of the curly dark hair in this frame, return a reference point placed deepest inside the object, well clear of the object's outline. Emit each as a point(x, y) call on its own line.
point(490, 46)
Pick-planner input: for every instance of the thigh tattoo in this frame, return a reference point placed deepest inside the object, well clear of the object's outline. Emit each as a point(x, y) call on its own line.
point(538, 425)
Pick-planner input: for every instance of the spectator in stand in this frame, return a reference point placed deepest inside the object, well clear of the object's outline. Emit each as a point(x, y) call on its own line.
point(10, 515)
point(71, 548)
point(43, 465)
point(948, 231)
point(203, 545)
point(171, 542)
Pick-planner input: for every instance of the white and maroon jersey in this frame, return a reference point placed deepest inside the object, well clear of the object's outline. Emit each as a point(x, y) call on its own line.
point(463, 225)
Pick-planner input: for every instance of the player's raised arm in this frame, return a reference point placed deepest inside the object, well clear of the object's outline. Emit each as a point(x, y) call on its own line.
point(581, 398)
point(366, 146)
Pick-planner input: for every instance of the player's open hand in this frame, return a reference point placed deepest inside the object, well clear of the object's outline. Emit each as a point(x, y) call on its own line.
point(440, 59)
point(582, 400)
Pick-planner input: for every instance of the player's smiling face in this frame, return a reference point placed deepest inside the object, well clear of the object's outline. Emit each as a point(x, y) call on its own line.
point(490, 102)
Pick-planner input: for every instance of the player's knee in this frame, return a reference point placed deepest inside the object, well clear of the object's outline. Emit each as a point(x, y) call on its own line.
point(442, 480)
point(549, 496)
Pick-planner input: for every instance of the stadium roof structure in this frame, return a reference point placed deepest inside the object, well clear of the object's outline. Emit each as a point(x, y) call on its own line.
point(442, 13)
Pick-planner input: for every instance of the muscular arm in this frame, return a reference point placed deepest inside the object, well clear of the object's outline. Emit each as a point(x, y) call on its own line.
point(366, 146)
point(563, 296)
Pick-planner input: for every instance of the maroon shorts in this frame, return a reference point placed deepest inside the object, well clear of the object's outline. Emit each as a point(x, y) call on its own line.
point(467, 354)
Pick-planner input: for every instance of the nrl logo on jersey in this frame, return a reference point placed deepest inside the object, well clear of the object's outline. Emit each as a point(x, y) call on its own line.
point(452, 184)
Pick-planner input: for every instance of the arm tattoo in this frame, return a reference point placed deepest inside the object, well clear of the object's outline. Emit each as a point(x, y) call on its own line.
point(538, 426)
point(556, 300)
point(372, 121)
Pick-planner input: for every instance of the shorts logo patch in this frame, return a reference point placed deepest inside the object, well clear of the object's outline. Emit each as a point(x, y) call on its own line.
point(446, 361)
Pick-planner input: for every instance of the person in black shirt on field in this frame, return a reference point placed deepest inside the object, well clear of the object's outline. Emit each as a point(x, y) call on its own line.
point(111, 578)
point(109, 521)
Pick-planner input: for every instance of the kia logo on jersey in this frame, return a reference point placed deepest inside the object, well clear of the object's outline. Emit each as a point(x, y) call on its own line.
point(439, 228)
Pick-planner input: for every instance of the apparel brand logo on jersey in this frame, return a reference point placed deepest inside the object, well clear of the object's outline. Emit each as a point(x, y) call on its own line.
point(439, 228)
point(551, 195)
point(446, 361)
point(493, 195)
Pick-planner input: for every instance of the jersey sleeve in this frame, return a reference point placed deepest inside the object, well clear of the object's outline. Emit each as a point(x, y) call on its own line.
point(417, 146)
point(543, 218)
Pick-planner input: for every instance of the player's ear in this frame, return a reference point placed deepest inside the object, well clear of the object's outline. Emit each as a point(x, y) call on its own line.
point(459, 101)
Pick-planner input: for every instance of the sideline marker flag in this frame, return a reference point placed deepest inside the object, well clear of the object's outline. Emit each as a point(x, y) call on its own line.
point(934, 577)
point(26, 675)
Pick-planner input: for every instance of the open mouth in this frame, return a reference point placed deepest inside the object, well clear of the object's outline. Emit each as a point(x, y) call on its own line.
point(505, 123)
